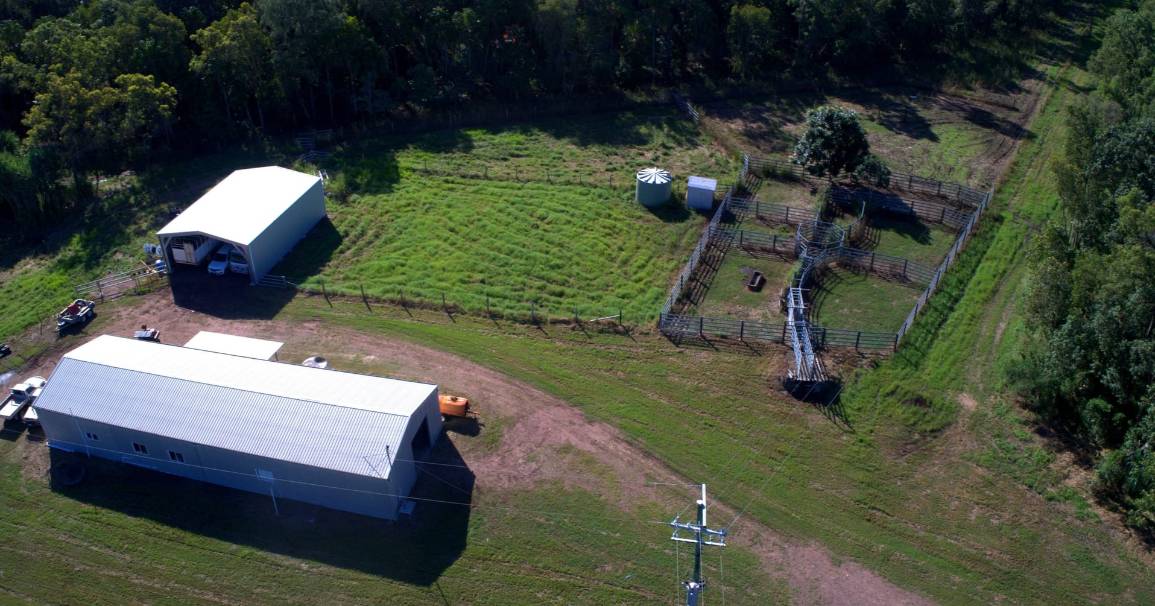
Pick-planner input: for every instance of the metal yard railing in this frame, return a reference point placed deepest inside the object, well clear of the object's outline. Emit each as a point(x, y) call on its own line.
point(877, 201)
point(960, 242)
point(898, 181)
point(115, 285)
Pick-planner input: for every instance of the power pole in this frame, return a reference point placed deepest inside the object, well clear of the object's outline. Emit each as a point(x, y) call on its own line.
point(702, 535)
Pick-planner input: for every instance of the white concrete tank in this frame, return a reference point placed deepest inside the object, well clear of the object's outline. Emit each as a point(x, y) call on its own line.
point(653, 187)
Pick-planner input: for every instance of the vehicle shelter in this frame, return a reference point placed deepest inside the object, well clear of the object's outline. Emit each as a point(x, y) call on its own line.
point(336, 439)
point(263, 212)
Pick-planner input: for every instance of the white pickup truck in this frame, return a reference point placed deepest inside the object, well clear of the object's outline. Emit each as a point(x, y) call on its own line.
point(21, 398)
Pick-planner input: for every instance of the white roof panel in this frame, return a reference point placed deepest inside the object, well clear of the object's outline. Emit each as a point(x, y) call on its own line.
point(248, 347)
point(242, 205)
point(703, 183)
point(323, 418)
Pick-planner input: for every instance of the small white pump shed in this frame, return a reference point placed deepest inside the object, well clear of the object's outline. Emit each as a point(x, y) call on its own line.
point(700, 193)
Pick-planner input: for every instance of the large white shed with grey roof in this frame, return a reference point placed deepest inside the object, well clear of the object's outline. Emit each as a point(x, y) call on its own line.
point(340, 440)
point(263, 212)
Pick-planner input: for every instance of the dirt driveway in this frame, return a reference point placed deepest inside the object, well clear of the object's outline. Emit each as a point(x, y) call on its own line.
point(536, 427)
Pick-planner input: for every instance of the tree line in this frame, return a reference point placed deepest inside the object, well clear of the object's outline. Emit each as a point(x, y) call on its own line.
point(93, 87)
point(1091, 307)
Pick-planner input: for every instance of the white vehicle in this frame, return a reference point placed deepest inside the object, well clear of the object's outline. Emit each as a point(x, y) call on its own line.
point(238, 264)
point(21, 397)
point(31, 417)
point(220, 260)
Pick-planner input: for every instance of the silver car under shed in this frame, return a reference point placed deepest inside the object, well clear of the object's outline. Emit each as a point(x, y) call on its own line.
point(263, 212)
point(340, 440)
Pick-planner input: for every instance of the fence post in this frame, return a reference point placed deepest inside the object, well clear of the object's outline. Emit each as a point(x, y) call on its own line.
point(857, 339)
point(533, 311)
point(943, 218)
point(701, 327)
point(365, 299)
point(905, 263)
point(741, 330)
point(325, 292)
point(872, 260)
point(787, 215)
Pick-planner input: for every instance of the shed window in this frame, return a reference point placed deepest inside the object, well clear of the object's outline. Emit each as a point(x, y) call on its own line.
point(91, 436)
point(176, 456)
point(139, 448)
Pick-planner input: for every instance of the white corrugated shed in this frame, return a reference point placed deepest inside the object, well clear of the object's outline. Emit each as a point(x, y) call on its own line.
point(263, 212)
point(247, 347)
point(700, 192)
point(243, 205)
point(320, 418)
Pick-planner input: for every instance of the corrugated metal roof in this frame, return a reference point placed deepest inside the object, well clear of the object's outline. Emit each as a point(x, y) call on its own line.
point(322, 418)
point(248, 347)
point(242, 205)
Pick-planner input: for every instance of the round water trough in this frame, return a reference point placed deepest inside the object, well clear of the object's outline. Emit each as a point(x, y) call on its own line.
point(653, 188)
point(315, 362)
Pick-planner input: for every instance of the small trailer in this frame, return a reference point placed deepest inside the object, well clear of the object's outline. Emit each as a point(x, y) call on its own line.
point(454, 406)
point(147, 334)
point(21, 398)
point(79, 312)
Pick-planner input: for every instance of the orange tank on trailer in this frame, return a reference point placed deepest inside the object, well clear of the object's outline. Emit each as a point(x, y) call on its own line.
point(454, 406)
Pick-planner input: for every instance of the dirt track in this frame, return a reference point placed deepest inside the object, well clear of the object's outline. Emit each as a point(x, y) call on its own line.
point(536, 427)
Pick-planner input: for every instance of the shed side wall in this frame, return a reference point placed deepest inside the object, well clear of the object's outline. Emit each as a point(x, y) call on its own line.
point(283, 234)
point(327, 488)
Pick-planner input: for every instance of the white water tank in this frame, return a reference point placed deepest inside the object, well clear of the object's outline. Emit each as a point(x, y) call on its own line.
point(653, 187)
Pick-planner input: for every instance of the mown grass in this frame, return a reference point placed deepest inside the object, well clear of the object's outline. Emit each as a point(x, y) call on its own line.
point(728, 296)
point(502, 247)
point(601, 149)
point(862, 301)
point(131, 536)
point(897, 478)
point(916, 241)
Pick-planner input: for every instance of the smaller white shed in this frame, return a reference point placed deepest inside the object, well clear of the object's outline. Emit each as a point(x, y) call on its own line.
point(700, 193)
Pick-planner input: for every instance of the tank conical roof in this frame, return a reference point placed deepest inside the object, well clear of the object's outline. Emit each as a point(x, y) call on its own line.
point(654, 175)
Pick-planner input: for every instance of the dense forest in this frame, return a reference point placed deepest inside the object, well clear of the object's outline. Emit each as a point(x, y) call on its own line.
point(95, 87)
point(1092, 304)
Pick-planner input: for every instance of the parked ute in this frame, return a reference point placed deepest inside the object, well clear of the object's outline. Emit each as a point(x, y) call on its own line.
point(238, 264)
point(20, 398)
point(220, 261)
